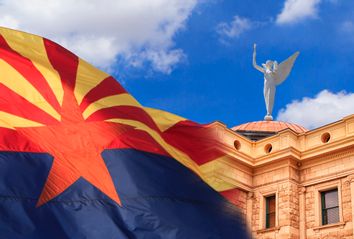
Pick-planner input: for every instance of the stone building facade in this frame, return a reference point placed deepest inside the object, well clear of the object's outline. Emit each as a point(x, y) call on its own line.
point(288, 182)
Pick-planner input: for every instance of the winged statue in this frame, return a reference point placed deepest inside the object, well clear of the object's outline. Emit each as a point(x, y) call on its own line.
point(274, 75)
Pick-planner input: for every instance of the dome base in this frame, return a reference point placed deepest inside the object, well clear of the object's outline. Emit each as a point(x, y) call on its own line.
point(268, 118)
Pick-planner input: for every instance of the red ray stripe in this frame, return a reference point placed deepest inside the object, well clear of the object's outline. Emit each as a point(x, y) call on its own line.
point(66, 63)
point(9, 136)
point(124, 112)
point(137, 139)
point(27, 69)
point(13, 103)
point(107, 87)
point(203, 138)
point(232, 195)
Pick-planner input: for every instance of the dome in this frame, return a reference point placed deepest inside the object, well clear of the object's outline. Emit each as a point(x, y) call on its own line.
point(269, 126)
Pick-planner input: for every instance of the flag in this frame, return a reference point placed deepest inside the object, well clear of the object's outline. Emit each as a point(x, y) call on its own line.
point(81, 158)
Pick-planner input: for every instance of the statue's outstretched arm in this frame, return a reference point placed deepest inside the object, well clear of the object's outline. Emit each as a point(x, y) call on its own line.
point(254, 60)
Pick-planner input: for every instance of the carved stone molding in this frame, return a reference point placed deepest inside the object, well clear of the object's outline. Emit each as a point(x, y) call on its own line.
point(349, 179)
point(250, 195)
point(301, 190)
point(337, 155)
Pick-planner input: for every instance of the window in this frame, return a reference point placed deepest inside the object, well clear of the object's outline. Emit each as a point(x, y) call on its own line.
point(270, 211)
point(330, 207)
point(328, 204)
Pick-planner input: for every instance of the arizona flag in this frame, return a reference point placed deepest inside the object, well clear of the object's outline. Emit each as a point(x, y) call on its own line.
point(81, 158)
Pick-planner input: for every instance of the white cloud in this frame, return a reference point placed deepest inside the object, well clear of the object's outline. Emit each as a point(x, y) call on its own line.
point(347, 26)
point(324, 108)
point(234, 28)
point(102, 30)
point(297, 10)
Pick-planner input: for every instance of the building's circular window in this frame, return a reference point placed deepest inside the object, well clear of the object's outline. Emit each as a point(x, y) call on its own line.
point(325, 137)
point(268, 148)
point(237, 144)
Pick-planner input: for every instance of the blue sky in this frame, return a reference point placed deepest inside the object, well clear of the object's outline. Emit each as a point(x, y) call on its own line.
point(218, 82)
point(193, 58)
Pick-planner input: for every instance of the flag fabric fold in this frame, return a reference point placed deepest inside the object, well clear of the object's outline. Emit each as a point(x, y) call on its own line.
point(82, 158)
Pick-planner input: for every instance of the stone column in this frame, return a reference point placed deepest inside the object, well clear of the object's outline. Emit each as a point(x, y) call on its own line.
point(249, 211)
point(350, 180)
point(302, 212)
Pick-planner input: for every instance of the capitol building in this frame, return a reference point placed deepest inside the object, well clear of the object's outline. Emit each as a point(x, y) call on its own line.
point(289, 182)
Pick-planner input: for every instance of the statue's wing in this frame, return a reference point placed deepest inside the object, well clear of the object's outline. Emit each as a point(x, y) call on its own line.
point(284, 68)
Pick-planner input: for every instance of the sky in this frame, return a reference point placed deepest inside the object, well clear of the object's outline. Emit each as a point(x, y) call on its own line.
point(194, 57)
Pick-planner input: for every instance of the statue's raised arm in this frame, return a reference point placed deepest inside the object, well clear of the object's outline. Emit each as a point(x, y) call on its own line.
point(254, 59)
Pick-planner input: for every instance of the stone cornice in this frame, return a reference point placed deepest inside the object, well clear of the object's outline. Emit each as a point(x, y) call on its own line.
point(330, 156)
point(288, 144)
point(330, 177)
point(289, 149)
point(227, 183)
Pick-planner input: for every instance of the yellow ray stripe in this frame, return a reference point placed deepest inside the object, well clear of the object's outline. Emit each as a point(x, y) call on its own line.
point(12, 121)
point(87, 78)
point(175, 153)
point(164, 120)
point(32, 47)
point(110, 101)
point(17, 83)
